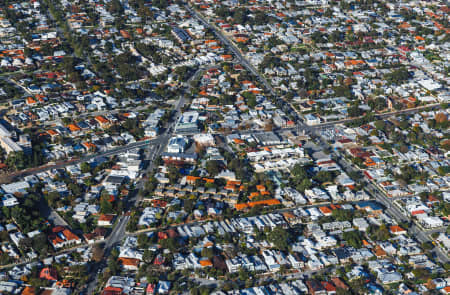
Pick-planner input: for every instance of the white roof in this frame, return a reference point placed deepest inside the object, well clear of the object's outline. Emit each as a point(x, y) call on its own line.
point(15, 187)
point(4, 132)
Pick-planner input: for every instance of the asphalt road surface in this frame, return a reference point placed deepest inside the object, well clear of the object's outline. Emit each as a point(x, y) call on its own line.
point(159, 143)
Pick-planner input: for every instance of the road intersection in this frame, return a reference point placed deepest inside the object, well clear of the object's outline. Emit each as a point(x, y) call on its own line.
point(158, 144)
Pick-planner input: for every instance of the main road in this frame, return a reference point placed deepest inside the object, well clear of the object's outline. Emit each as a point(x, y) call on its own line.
point(160, 142)
point(392, 210)
point(73, 161)
point(119, 231)
point(242, 60)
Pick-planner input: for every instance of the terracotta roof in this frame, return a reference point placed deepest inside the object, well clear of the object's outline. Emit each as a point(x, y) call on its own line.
point(30, 100)
point(396, 229)
point(233, 182)
point(328, 286)
point(89, 145)
point(269, 202)
point(52, 132)
point(73, 127)
point(288, 215)
point(192, 178)
point(339, 283)
point(325, 210)
point(112, 291)
point(107, 217)
point(379, 252)
point(129, 261)
point(70, 236)
point(260, 187)
point(28, 290)
point(205, 262)
point(101, 119)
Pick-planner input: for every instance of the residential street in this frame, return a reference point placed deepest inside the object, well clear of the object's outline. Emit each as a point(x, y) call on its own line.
point(224, 147)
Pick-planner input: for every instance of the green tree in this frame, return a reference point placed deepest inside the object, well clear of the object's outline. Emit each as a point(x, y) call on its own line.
point(342, 215)
point(397, 76)
point(75, 189)
point(279, 237)
point(380, 233)
point(299, 171)
point(378, 103)
point(189, 205)
point(243, 274)
point(340, 291)
point(208, 252)
point(52, 198)
point(325, 176)
point(170, 243)
point(113, 266)
point(355, 111)
point(250, 98)
point(142, 241)
point(17, 160)
point(443, 170)
point(148, 256)
point(106, 205)
point(151, 184)
point(213, 167)
point(353, 238)
point(173, 174)
point(304, 185)
point(85, 167)
point(380, 125)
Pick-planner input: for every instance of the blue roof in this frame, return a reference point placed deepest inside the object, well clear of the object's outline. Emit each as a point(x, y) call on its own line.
point(373, 205)
point(377, 160)
point(82, 125)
